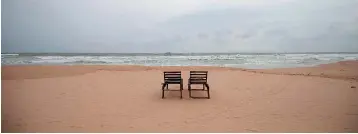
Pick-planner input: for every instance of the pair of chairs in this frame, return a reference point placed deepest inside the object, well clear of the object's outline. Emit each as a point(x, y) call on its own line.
point(196, 77)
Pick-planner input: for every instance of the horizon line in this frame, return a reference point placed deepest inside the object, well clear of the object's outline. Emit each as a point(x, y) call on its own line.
point(162, 52)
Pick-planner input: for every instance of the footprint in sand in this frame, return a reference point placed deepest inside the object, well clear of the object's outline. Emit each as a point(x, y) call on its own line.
point(55, 122)
point(346, 128)
point(76, 126)
point(251, 130)
point(20, 124)
point(354, 114)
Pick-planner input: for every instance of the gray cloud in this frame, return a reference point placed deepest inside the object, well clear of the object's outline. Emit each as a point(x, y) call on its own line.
point(179, 26)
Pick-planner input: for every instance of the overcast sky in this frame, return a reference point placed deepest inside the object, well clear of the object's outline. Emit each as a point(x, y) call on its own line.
point(126, 26)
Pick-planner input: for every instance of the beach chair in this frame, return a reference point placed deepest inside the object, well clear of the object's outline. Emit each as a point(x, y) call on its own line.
point(199, 77)
point(172, 77)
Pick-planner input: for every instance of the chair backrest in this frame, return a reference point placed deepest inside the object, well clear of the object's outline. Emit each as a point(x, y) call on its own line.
point(172, 76)
point(199, 76)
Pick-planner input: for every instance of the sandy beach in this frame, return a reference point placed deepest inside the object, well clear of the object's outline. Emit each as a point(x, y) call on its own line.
point(80, 98)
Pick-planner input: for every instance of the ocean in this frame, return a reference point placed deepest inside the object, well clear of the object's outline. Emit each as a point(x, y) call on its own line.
point(239, 60)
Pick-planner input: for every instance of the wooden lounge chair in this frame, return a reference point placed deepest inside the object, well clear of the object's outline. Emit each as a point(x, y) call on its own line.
point(172, 77)
point(198, 77)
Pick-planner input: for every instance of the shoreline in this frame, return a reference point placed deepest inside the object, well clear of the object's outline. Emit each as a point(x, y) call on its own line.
point(323, 70)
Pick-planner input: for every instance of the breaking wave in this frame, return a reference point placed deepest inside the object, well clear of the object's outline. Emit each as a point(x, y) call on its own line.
point(232, 60)
point(87, 62)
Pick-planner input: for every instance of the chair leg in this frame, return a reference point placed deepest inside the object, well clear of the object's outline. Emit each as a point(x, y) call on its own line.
point(181, 91)
point(189, 88)
point(167, 86)
point(163, 90)
point(203, 87)
point(207, 86)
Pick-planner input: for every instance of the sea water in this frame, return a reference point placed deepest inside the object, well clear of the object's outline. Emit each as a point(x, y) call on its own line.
point(239, 60)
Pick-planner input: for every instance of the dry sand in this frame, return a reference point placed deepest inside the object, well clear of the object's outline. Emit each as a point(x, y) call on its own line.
point(128, 99)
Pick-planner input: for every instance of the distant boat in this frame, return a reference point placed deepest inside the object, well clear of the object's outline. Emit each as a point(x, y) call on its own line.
point(167, 54)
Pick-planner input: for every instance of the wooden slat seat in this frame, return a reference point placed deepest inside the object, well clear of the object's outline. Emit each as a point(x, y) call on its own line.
point(199, 77)
point(172, 77)
point(198, 82)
